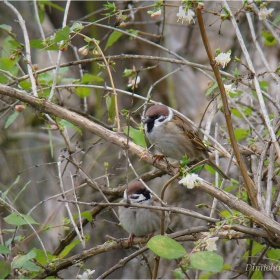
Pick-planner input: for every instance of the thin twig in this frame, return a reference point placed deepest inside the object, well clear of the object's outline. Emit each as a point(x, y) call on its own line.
point(122, 262)
point(79, 212)
point(161, 208)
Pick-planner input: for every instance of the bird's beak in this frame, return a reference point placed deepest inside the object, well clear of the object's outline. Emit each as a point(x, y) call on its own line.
point(147, 120)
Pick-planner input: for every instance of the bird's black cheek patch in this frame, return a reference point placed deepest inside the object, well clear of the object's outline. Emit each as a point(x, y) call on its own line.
point(150, 125)
point(147, 194)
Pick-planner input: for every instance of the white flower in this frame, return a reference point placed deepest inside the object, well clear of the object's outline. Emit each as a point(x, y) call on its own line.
point(86, 274)
point(156, 14)
point(189, 16)
point(210, 244)
point(229, 88)
point(190, 181)
point(132, 83)
point(223, 59)
point(264, 13)
point(183, 16)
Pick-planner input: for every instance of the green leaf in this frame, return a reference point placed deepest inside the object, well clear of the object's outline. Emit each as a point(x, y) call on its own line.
point(226, 266)
point(51, 4)
point(90, 79)
point(247, 111)
point(205, 275)
point(227, 214)
point(110, 6)
point(257, 274)
point(4, 250)
point(7, 65)
point(66, 123)
point(178, 273)
point(11, 119)
point(68, 248)
point(62, 34)
point(240, 133)
point(264, 85)
point(132, 32)
point(111, 107)
point(41, 258)
point(41, 13)
point(114, 36)
point(9, 45)
point(273, 254)
point(24, 187)
point(5, 269)
point(208, 261)
point(235, 72)
point(235, 112)
point(166, 247)
point(197, 168)
point(136, 135)
point(30, 266)
point(82, 92)
point(21, 260)
point(14, 43)
point(209, 90)
point(76, 26)
point(6, 27)
point(4, 194)
point(19, 220)
point(276, 19)
point(209, 169)
point(269, 40)
point(87, 215)
point(38, 44)
point(25, 85)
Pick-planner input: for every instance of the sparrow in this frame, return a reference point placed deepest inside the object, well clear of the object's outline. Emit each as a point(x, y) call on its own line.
point(175, 136)
point(140, 221)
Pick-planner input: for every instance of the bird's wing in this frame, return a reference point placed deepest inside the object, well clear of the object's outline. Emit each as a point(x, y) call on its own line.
point(190, 133)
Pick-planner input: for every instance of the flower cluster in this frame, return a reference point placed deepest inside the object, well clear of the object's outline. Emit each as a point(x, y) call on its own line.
point(223, 59)
point(264, 13)
point(190, 181)
point(229, 88)
point(133, 82)
point(182, 15)
point(86, 274)
point(211, 244)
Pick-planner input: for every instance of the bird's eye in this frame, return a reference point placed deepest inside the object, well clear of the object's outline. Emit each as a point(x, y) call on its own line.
point(161, 118)
point(133, 196)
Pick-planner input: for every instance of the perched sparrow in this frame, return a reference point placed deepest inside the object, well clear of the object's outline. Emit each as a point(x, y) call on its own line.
point(175, 137)
point(141, 221)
